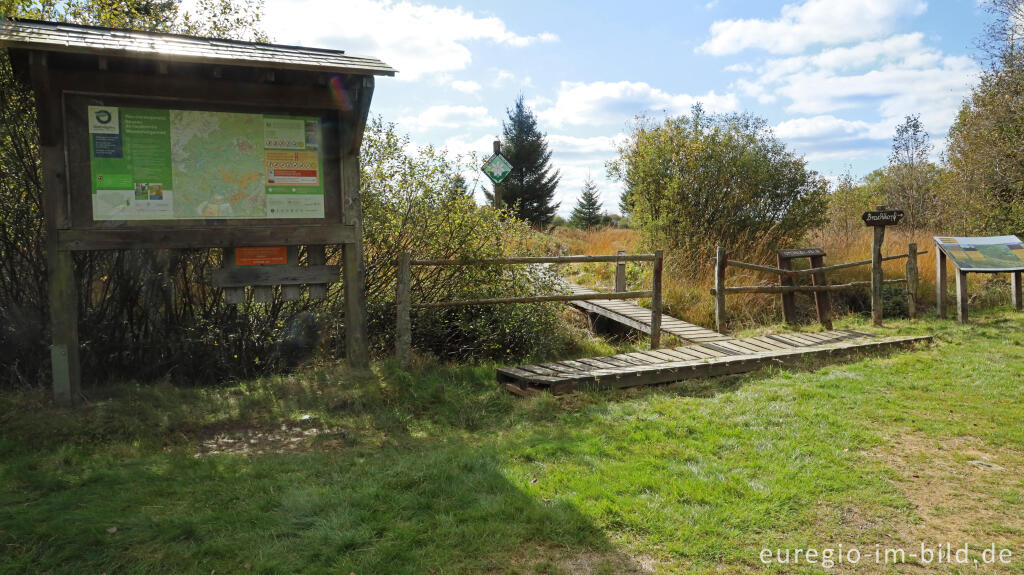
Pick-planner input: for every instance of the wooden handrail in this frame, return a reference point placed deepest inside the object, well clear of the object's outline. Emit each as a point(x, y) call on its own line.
point(539, 260)
point(810, 271)
point(536, 299)
point(799, 289)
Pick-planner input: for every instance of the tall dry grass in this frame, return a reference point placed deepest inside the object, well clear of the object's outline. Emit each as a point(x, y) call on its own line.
point(689, 298)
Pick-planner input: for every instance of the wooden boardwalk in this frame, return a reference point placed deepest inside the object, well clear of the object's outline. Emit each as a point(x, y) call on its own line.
point(639, 318)
point(705, 359)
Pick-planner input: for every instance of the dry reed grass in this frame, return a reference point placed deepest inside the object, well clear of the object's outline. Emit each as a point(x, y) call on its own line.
point(689, 298)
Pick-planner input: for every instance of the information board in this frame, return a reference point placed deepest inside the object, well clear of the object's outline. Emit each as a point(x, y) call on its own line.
point(993, 254)
point(162, 164)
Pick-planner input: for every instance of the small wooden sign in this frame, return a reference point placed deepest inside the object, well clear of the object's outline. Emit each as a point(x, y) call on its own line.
point(261, 256)
point(882, 217)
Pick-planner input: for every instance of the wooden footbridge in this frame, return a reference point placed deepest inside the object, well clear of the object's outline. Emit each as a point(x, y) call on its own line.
point(706, 353)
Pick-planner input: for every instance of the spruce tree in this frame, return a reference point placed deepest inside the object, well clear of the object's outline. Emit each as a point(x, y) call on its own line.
point(530, 189)
point(587, 212)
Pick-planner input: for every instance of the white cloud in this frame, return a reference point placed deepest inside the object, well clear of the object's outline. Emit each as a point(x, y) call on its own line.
point(445, 116)
point(468, 144)
point(581, 103)
point(466, 86)
point(811, 22)
point(604, 146)
point(820, 127)
point(417, 39)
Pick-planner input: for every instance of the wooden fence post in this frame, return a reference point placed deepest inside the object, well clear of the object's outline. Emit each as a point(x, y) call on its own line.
point(961, 295)
point(620, 273)
point(721, 260)
point(940, 282)
point(403, 323)
point(788, 301)
point(822, 299)
point(912, 281)
point(1015, 291)
point(656, 301)
point(876, 274)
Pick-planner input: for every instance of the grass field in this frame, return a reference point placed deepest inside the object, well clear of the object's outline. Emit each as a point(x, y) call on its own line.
point(437, 471)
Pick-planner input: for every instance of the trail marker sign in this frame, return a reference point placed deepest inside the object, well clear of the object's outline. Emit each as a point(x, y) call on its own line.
point(882, 217)
point(497, 168)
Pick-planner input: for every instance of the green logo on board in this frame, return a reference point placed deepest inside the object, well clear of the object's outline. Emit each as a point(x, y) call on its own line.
point(497, 168)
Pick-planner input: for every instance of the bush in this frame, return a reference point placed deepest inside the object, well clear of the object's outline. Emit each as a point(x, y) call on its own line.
point(703, 180)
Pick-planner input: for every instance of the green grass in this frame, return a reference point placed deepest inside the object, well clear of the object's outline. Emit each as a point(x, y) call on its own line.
point(438, 471)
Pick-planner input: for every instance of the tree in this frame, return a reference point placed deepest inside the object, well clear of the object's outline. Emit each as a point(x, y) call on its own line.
point(704, 180)
point(910, 179)
point(982, 187)
point(587, 212)
point(529, 190)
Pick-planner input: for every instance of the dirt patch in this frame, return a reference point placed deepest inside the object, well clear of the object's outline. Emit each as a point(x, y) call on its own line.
point(959, 491)
point(285, 439)
point(554, 560)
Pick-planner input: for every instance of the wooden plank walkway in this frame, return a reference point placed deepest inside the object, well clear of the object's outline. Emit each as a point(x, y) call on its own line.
point(705, 359)
point(639, 318)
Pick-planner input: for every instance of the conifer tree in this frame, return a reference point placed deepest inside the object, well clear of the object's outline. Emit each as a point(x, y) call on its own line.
point(587, 212)
point(529, 190)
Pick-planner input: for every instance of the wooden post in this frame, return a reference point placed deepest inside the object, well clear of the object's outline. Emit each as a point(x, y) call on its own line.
point(317, 256)
point(292, 292)
point(60, 264)
point(876, 274)
point(498, 188)
point(788, 301)
point(403, 323)
point(721, 260)
point(353, 273)
point(620, 273)
point(912, 281)
point(1015, 291)
point(234, 295)
point(961, 296)
point(656, 301)
point(940, 282)
point(822, 299)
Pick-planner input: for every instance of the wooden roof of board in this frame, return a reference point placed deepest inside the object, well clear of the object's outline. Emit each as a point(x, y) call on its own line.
point(56, 37)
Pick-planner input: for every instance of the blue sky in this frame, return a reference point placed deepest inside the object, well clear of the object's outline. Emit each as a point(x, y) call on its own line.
point(833, 77)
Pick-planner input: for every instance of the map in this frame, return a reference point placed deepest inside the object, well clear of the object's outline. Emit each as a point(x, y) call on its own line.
point(150, 164)
point(992, 254)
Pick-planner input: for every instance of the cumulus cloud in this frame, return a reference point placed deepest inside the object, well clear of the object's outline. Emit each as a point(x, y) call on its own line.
point(812, 22)
point(466, 86)
point(582, 103)
point(417, 39)
point(445, 116)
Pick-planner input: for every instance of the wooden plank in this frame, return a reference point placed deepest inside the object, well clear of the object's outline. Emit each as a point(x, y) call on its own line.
point(719, 346)
point(208, 237)
point(316, 255)
point(292, 292)
point(242, 276)
point(783, 341)
point(736, 347)
point(595, 363)
point(769, 343)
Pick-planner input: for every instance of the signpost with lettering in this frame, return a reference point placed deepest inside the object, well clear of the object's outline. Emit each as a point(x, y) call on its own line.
point(497, 168)
point(999, 254)
point(879, 219)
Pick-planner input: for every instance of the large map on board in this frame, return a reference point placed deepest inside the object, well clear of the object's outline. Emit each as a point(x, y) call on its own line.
point(999, 253)
point(153, 164)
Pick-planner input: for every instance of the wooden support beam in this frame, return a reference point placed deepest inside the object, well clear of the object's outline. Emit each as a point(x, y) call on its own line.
point(316, 255)
point(274, 275)
point(403, 322)
point(940, 282)
point(1015, 291)
point(876, 275)
point(721, 261)
point(788, 302)
point(656, 300)
point(536, 299)
point(292, 292)
point(912, 281)
point(232, 295)
point(620, 272)
point(822, 299)
point(961, 296)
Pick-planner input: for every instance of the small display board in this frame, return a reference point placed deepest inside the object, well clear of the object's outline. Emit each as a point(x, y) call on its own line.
point(991, 254)
point(882, 217)
point(497, 168)
point(163, 164)
point(261, 256)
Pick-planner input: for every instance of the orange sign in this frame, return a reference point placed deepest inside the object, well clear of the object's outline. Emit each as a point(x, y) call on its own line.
point(261, 256)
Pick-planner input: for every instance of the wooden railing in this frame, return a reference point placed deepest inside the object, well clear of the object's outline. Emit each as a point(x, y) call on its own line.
point(820, 286)
point(405, 305)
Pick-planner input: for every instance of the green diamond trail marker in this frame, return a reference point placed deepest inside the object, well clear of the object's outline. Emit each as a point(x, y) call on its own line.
point(497, 168)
